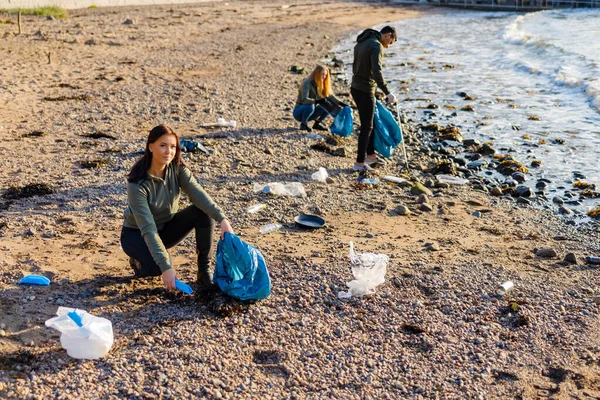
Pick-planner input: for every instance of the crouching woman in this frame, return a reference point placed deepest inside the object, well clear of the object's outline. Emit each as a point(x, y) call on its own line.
point(315, 100)
point(152, 222)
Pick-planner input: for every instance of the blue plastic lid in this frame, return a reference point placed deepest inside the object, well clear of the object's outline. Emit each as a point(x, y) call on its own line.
point(35, 280)
point(184, 287)
point(75, 317)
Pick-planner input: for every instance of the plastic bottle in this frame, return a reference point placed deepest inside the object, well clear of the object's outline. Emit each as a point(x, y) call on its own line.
point(269, 228)
point(505, 287)
point(256, 208)
point(369, 181)
point(593, 260)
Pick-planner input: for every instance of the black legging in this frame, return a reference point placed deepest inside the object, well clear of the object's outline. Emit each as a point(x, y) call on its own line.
point(365, 102)
point(172, 233)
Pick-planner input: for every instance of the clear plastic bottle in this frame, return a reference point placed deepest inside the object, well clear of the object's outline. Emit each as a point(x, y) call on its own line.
point(269, 228)
point(369, 181)
point(253, 209)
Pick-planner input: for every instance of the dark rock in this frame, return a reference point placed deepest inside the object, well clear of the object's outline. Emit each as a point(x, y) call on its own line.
point(546, 253)
point(564, 210)
point(518, 176)
point(426, 207)
point(496, 191)
point(402, 210)
point(422, 199)
point(128, 22)
point(486, 149)
point(524, 191)
point(571, 258)
point(536, 163)
point(470, 142)
point(558, 200)
point(523, 200)
point(476, 165)
point(476, 214)
point(340, 152)
point(541, 185)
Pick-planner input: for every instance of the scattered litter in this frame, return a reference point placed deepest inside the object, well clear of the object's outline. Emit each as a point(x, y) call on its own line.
point(369, 181)
point(253, 209)
point(229, 124)
point(451, 180)
point(368, 270)
point(505, 287)
point(309, 221)
point(265, 229)
point(184, 287)
point(191, 146)
point(35, 280)
point(394, 179)
point(593, 260)
point(83, 335)
point(294, 189)
point(321, 175)
point(313, 136)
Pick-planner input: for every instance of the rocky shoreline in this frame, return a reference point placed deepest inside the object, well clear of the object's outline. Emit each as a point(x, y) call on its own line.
point(435, 328)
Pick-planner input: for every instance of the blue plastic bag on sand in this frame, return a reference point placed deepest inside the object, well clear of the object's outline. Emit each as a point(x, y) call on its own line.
point(342, 123)
point(388, 133)
point(240, 270)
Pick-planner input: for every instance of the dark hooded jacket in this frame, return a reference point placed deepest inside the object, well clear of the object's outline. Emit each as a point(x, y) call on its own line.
point(368, 56)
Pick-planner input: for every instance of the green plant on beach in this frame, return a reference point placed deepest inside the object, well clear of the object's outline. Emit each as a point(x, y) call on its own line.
point(93, 6)
point(51, 11)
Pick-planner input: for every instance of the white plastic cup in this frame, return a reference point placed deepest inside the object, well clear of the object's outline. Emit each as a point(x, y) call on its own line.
point(505, 287)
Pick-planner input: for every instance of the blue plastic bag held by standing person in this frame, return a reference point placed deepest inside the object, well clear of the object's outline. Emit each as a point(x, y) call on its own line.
point(388, 133)
point(241, 271)
point(342, 123)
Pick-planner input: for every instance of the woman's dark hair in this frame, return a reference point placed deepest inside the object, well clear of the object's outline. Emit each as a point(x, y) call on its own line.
point(141, 167)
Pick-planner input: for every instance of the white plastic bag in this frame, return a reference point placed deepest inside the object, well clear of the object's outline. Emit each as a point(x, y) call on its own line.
point(368, 270)
point(321, 175)
point(294, 189)
point(92, 340)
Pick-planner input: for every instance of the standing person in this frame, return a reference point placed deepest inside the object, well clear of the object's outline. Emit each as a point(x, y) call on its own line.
point(315, 99)
point(152, 222)
point(366, 77)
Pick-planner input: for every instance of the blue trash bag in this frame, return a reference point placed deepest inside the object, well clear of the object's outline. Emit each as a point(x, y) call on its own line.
point(388, 134)
point(241, 271)
point(342, 123)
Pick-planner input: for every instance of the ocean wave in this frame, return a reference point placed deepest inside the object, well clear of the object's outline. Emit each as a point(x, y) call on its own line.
point(513, 33)
point(564, 77)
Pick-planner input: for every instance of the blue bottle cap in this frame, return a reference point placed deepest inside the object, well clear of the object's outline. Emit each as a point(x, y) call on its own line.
point(184, 287)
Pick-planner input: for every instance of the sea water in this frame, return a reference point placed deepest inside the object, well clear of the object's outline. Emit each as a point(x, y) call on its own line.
point(535, 79)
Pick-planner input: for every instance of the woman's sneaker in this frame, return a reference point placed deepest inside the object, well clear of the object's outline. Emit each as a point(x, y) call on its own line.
point(365, 167)
point(317, 125)
point(374, 161)
point(304, 127)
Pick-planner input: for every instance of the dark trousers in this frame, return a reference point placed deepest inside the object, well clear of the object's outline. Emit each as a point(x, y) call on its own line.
point(172, 233)
point(365, 102)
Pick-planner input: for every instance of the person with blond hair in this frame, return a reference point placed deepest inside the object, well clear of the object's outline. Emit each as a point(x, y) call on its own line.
point(315, 100)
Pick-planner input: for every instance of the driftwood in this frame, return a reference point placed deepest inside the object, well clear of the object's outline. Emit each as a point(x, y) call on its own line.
point(19, 22)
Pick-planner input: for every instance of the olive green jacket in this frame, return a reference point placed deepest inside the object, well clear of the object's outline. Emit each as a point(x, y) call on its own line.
point(366, 68)
point(153, 201)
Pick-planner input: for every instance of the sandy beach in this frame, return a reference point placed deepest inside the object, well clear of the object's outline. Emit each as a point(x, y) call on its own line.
point(78, 97)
